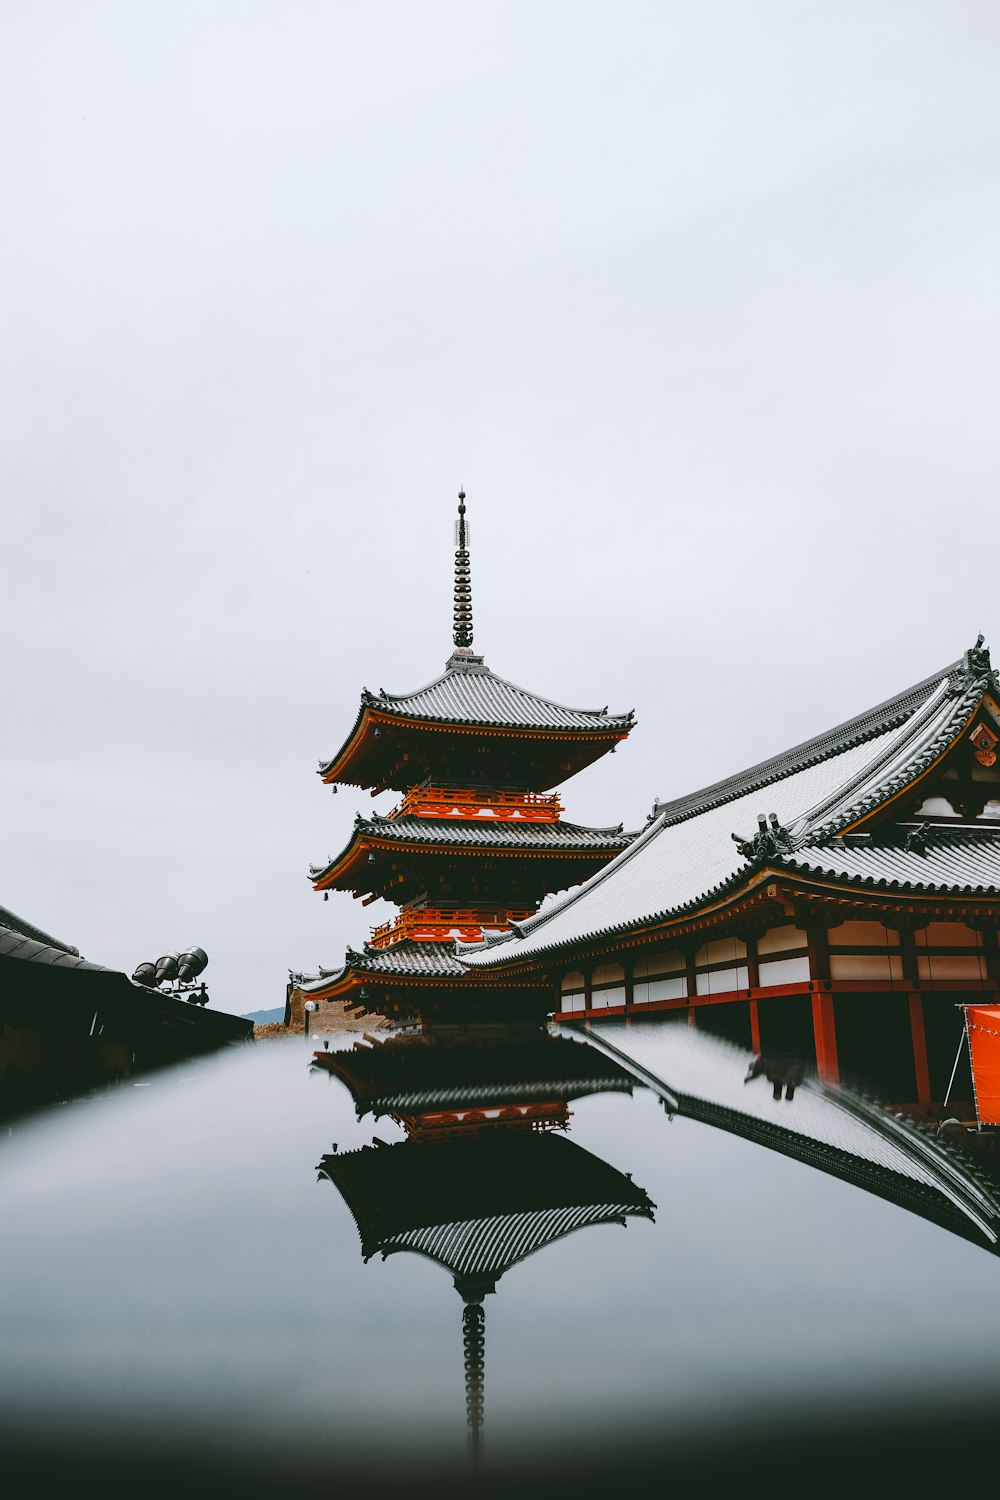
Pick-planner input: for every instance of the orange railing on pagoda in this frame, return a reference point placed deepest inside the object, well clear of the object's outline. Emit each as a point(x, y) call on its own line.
point(432, 925)
point(461, 802)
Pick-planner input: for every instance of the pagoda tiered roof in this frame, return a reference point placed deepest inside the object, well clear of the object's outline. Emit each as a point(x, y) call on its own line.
point(810, 805)
point(469, 697)
point(405, 960)
point(436, 835)
point(477, 1206)
point(406, 1074)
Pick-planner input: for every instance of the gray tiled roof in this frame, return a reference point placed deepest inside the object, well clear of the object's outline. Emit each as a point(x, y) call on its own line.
point(469, 693)
point(966, 860)
point(15, 923)
point(686, 854)
point(29, 950)
point(420, 960)
point(466, 834)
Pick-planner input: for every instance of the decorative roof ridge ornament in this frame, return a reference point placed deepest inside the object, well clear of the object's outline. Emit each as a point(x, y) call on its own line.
point(768, 840)
point(917, 839)
point(975, 670)
point(462, 618)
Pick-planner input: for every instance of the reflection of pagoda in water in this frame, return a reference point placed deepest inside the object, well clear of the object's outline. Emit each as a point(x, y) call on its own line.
point(477, 839)
point(483, 1179)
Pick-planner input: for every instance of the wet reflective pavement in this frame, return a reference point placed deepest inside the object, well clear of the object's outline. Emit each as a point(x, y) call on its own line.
point(628, 1249)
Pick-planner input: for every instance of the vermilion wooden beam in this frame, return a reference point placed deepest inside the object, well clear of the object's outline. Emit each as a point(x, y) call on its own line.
point(920, 1067)
point(825, 1035)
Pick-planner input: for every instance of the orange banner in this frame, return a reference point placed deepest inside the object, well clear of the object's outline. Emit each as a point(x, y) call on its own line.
point(983, 1022)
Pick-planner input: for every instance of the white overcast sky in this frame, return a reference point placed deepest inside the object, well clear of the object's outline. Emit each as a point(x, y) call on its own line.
point(700, 302)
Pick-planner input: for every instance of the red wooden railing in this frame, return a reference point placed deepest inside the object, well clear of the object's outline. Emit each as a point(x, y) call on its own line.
point(433, 925)
point(461, 802)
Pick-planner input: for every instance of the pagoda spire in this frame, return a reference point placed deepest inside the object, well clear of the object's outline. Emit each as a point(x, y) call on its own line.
point(462, 627)
point(474, 1352)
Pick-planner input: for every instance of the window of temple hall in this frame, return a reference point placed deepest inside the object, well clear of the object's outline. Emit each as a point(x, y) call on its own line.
point(574, 994)
point(949, 950)
point(782, 956)
point(607, 986)
point(721, 966)
point(660, 976)
point(864, 950)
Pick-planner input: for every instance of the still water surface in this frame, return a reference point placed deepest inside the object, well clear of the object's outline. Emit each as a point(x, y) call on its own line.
point(176, 1271)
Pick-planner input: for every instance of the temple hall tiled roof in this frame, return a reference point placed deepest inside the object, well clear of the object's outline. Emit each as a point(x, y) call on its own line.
point(965, 860)
point(687, 854)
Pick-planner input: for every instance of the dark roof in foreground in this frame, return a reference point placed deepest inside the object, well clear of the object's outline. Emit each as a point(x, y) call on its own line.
point(699, 848)
point(15, 944)
point(14, 923)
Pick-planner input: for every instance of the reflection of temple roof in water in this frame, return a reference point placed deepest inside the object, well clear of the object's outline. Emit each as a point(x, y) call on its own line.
point(479, 1205)
point(406, 1074)
point(834, 1129)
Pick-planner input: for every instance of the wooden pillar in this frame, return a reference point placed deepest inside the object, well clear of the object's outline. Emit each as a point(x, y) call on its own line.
point(825, 1036)
point(629, 986)
point(588, 991)
point(753, 964)
point(691, 978)
point(690, 973)
point(753, 980)
point(991, 954)
point(819, 950)
point(920, 1068)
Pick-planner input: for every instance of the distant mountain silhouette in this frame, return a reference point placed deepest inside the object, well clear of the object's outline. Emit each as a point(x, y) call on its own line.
point(265, 1017)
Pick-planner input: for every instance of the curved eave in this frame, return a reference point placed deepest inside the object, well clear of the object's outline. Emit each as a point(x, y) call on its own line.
point(345, 871)
point(934, 729)
point(341, 985)
point(712, 906)
point(346, 767)
point(926, 762)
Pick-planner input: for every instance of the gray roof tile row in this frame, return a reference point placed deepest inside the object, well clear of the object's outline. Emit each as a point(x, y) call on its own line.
point(687, 855)
point(466, 834)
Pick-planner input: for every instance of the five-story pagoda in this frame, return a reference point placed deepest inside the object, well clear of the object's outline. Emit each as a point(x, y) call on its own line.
point(477, 839)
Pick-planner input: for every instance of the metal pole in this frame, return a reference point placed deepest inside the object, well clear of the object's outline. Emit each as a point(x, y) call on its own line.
point(961, 1044)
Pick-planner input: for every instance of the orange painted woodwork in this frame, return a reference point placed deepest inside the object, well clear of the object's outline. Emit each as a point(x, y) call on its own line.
point(825, 1033)
point(462, 803)
point(920, 1067)
point(425, 924)
point(983, 1025)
